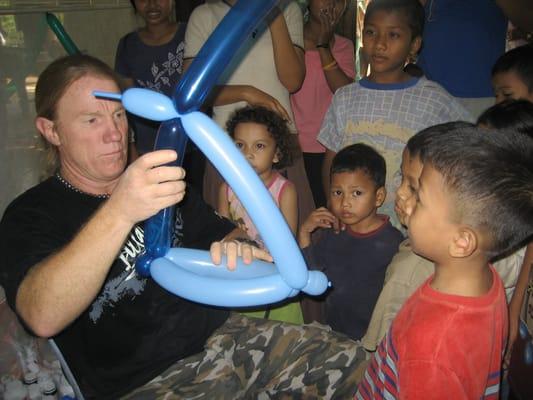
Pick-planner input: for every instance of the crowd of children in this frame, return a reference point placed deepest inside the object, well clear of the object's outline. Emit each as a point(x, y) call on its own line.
point(423, 213)
point(362, 153)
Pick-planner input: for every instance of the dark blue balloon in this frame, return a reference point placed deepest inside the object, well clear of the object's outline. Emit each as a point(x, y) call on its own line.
point(158, 229)
point(217, 53)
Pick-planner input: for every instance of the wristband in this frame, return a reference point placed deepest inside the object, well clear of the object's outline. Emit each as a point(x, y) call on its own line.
point(323, 45)
point(329, 66)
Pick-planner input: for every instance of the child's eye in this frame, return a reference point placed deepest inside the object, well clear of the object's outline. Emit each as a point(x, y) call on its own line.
point(368, 32)
point(336, 192)
point(394, 35)
point(357, 193)
point(260, 146)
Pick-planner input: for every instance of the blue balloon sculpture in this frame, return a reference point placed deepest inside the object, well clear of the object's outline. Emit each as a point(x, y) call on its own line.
point(190, 273)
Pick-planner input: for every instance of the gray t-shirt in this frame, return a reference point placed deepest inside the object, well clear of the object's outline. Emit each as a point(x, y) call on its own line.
point(385, 116)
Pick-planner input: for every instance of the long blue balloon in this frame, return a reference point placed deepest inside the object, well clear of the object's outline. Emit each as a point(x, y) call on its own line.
point(217, 52)
point(158, 229)
point(190, 274)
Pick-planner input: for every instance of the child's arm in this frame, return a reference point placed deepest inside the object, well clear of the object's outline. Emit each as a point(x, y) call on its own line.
point(289, 59)
point(288, 204)
point(229, 94)
point(223, 206)
point(320, 218)
point(515, 305)
point(326, 166)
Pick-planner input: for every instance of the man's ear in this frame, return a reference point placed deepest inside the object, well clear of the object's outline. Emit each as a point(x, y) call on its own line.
point(464, 243)
point(381, 195)
point(47, 129)
point(416, 43)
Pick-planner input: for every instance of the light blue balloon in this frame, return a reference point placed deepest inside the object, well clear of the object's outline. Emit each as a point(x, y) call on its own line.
point(190, 274)
point(251, 191)
point(145, 103)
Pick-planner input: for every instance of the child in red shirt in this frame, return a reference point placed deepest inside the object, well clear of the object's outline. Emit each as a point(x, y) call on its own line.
point(474, 202)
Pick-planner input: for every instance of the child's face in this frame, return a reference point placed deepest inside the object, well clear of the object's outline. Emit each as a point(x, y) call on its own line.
point(354, 199)
point(406, 192)
point(258, 146)
point(387, 44)
point(508, 85)
point(154, 12)
point(430, 223)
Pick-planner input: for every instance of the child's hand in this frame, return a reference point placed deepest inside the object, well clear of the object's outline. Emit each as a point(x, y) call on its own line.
point(320, 218)
point(330, 16)
point(256, 97)
point(233, 249)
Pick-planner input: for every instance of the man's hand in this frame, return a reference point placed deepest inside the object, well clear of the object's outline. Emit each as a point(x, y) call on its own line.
point(233, 249)
point(147, 186)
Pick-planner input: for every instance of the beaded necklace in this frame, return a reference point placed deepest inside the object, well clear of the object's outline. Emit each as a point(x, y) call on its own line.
point(75, 189)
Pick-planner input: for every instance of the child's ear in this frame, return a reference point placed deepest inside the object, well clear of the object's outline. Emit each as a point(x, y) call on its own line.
point(381, 194)
point(416, 43)
point(464, 243)
point(277, 156)
point(47, 129)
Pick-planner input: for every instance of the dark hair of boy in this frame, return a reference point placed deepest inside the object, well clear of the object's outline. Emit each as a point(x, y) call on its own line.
point(489, 176)
point(519, 61)
point(361, 157)
point(275, 125)
point(412, 9)
point(509, 114)
point(417, 143)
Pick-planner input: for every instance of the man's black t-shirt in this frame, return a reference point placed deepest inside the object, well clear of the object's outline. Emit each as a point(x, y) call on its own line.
point(134, 329)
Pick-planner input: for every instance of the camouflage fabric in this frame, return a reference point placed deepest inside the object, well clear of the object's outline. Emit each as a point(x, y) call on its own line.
point(253, 358)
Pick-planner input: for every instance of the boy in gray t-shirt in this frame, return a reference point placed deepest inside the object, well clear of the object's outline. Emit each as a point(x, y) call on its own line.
point(389, 106)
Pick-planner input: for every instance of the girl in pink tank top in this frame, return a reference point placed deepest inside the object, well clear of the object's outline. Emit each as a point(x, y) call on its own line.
point(265, 140)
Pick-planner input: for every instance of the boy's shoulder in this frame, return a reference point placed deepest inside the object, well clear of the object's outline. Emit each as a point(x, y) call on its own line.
point(433, 87)
point(422, 87)
point(347, 91)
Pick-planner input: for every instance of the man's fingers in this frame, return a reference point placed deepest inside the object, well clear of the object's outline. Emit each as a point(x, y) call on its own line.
point(216, 252)
point(156, 158)
point(232, 249)
point(165, 174)
point(247, 253)
point(170, 188)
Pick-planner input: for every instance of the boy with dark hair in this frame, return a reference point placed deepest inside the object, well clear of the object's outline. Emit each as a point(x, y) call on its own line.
point(407, 270)
point(356, 258)
point(512, 74)
point(475, 201)
point(389, 106)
